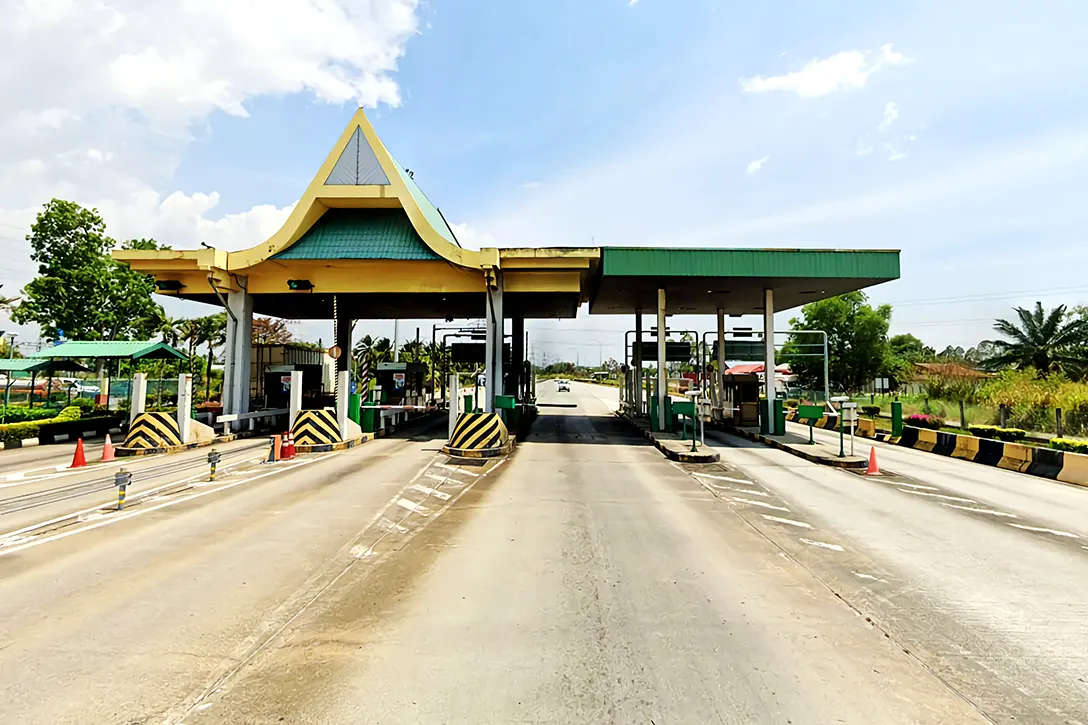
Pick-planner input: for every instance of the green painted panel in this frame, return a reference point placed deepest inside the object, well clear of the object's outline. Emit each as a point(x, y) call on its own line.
point(361, 234)
point(434, 217)
point(799, 263)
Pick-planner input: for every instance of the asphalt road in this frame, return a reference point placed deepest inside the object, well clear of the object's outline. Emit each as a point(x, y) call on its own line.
point(585, 579)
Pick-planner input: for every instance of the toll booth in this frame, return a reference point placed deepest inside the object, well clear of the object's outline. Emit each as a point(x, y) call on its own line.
point(402, 383)
point(270, 375)
point(740, 399)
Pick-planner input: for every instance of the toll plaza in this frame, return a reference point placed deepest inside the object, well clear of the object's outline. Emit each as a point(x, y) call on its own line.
point(365, 243)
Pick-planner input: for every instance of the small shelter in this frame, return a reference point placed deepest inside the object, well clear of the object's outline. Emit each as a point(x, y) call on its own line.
point(111, 350)
point(27, 366)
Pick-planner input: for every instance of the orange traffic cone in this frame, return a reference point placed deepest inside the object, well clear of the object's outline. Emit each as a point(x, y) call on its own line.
point(107, 451)
point(872, 469)
point(79, 459)
point(290, 446)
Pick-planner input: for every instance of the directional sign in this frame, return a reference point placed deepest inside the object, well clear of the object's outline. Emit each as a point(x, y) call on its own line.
point(674, 352)
point(334, 352)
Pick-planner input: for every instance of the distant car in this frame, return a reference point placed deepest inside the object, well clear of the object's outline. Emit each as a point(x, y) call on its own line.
point(564, 386)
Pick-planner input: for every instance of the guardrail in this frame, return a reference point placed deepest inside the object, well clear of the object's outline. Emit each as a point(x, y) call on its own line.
point(226, 420)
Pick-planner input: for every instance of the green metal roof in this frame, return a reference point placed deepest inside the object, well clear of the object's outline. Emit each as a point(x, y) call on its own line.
point(767, 263)
point(361, 234)
point(134, 349)
point(433, 214)
point(30, 365)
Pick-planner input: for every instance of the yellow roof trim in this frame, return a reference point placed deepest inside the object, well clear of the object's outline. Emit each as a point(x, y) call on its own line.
point(311, 207)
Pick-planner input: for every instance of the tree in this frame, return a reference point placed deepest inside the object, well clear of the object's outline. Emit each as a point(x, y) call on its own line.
point(213, 333)
point(7, 304)
point(79, 289)
point(857, 341)
point(1050, 342)
point(910, 349)
point(269, 331)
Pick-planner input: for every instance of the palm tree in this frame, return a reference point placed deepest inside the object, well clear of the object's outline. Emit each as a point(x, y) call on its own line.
point(189, 331)
point(213, 333)
point(1042, 340)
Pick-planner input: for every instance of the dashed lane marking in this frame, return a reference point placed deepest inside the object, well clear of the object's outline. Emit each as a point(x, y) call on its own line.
point(413, 507)
point(822, 544)
point(940, 495)
point(455, 469)
point(723, 478)
point(870, 577)
point(431, 492)
point(791, 522)
point(904, 483)
point(764, 504)
point(991, 512)
point(1042, 530)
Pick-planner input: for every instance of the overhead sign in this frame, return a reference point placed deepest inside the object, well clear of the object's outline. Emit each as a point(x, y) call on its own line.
point(474, 352)
point(741, 350)
point(674, 352)
point(334, 352)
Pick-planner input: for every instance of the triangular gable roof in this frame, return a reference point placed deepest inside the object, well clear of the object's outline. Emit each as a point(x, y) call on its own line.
point(124, 349)
point(360, 173)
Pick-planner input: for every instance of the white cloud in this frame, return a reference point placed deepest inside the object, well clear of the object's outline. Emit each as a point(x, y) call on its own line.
point(530, 185)
point(471, 238)
point(754, 166)
point(895, 153)
point(891, 113)
point(848, 70)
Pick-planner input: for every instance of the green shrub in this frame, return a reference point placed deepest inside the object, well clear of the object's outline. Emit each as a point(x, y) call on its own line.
point(983, 431)
point(20, 415)
point(922, 420)
point(871, 410)
point(1010, 435)
point(70, 413)
point(85, 405)
point(13, 432)
point(1069, 444)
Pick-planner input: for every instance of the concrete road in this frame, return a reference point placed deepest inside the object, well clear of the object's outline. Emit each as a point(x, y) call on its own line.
point(584, 580)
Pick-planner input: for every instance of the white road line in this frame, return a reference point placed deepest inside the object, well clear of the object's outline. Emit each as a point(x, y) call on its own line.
point(823, 544)
point(908, 485)
point(747, 491)
point(939, 495)
point(764, 504)
point(437, 477)
point(723, 478)
point(413, 507)
point(455, 469)
point(1046, 531)
point(20, 478)
point(174, 502)
point(980, 511)
point(791, 522)
point(431, 492)
point(870, 577)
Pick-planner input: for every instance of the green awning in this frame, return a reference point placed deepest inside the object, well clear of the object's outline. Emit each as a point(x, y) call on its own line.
point(125, 350)
point(30, 365)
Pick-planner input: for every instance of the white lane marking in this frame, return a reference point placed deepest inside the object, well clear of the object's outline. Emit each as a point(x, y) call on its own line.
point(413, 507)
point(980, 511)
point(455, 469)
point(137, 496)
point(908, 485)
point(391, 525)
point(823, 544)
point(437, 477)
point(940, 495)
point(723, 478)
point(21, 479)
point(174, 502)
point(791, 522)
point(764, 504)
point(431, 492)
point(747, 491)
point(870, 577)
point(1046, 531)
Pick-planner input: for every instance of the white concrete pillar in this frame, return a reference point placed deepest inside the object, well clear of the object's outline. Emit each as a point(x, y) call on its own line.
point(295, 397)
point(489, 350)
point(496, 387)
point(493, 345)
point(343, 383)
point(636, 362)
point(139, 396)
point(185, 405)
point(662, 374)
point(455, 400)
point(768, 357)
point(236, 373)
point(720, 382)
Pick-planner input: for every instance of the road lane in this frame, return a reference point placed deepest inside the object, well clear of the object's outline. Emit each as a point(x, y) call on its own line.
point(126, 622)
point(588, 581)
point(999, 612)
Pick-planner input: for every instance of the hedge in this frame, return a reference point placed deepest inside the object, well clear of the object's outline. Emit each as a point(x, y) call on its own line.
point(1010, 435)
point(20, 415)
point(873, 410)
point(1069, 444)
point(15, 432)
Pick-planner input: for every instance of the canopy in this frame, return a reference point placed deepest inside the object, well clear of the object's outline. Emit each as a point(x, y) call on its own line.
point(28, 366)
point(125, 350)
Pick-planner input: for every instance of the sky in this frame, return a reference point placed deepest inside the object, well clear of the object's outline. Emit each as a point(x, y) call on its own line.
point(955, 132)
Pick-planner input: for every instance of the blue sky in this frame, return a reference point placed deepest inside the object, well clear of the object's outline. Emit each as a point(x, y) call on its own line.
point(957, 132)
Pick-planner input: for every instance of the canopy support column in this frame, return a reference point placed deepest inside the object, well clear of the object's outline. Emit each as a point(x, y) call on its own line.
point(493, 343)
point(236, 372)
point(768, 358)
point(517, 329)
point(636, 363)
point(662, 375)
point(720, 382)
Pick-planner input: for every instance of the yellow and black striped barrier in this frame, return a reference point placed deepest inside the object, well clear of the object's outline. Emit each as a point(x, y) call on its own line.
point(316, 428)
point(479, 435)
point(153, 431)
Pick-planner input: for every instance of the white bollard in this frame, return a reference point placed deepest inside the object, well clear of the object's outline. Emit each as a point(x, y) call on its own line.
point(185, 404)
point(343, 387)
point(455, 401)
point(296, 398)
point(139, 396)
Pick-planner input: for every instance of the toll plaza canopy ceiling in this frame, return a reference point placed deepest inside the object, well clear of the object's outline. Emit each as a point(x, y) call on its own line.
point(365, 234)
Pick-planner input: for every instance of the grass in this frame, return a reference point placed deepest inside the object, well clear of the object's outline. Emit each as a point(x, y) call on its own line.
point(950, 411)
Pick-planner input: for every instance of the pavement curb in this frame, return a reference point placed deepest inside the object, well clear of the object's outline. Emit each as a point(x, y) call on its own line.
point(824, 460)
point(482, 452)
point(672, 455)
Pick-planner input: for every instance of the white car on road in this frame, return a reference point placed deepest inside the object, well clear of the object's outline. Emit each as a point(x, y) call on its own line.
point(564, 386)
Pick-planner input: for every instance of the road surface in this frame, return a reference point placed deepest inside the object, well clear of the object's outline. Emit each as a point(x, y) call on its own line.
point(585, 579)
